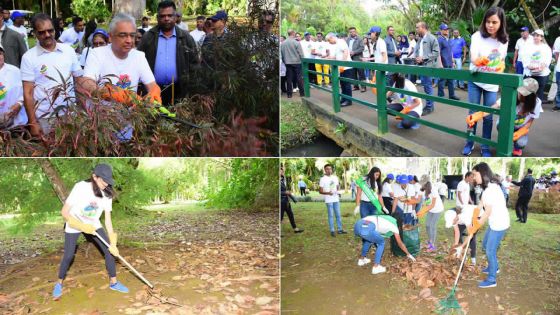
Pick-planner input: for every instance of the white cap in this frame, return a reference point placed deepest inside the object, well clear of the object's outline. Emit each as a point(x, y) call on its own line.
point(539, 31)
point(449, 216)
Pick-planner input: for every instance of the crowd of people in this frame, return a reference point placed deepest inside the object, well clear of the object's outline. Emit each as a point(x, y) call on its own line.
point(123, 63)
point(486, 52)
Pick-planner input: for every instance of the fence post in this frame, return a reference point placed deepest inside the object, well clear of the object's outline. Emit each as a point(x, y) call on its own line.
point(380, 78)
point(305, 72)
point(507, 119)
point(335, 88)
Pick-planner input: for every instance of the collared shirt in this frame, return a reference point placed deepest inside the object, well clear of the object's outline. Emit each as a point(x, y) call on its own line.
point(42, 67)
point(197, 35)
point(165, 69)
point(457, 45)
point(9, 22)
point(445, 52)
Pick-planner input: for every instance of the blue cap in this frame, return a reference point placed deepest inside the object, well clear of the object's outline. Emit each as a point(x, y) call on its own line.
point(375, 29)
point(443, 26)
point(306, 33)
point(220, 15)
point(390, 176)
point(100, 31)
point(17, 14)
point(524, 29)
point(402, 180)
point(410, 178)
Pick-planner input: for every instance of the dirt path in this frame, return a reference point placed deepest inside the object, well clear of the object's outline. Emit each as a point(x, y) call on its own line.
point(191, 275)
point(320, 273)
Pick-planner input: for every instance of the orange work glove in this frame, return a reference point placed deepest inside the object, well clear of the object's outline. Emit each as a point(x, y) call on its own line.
point(118, 94)
point(405, 110)
point(374, 89)
point(154, 95)
point(473, 118)
point(520, 133)
point(411, 202)
point(475, 223)
point(422, 212)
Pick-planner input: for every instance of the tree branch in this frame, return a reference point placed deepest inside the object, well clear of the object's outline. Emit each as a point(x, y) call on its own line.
point(529, 14)
point(54, 178)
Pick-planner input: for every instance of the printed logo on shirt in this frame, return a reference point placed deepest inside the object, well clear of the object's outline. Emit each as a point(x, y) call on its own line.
point(3, 91)
point(124, 81)
point(491, 63)
point(520, 120)
point(90, 210)
point(43, 69)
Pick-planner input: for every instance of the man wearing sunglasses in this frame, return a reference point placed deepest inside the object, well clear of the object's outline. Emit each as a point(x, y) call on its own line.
point(12, 42)
point(41, 69)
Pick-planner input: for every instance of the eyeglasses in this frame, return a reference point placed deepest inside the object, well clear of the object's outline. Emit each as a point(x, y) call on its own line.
point(44, 32)
point(125, 35)
point(99, 44)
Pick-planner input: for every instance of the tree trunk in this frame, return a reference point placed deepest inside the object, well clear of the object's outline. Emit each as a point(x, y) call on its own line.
point(133, 7)
point(529, 14)
point(449, 170)
point(54, 178)
point(521, 168)
point(57, 8)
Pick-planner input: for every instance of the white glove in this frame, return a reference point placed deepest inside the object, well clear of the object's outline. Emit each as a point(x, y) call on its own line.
point(458, 251)
point(385, 210)
point(411, 257)
point(356, 210)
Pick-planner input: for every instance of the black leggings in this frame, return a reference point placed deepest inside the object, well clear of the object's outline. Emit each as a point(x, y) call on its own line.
point(388, 202)
point(472, 243)
point(286, 207)
point(70, 247)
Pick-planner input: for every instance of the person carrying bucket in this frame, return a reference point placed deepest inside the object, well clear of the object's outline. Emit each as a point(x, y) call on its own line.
point(461, 219)
point(374, 229)
point(87, 201)
point(369, 200)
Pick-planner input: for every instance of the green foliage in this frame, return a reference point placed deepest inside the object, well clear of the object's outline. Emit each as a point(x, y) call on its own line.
point(248, 183)
point(296, 125)
point(90, 9)
point(341, 128)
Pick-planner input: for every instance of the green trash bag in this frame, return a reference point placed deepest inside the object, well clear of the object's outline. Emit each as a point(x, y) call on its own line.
point(411, 239)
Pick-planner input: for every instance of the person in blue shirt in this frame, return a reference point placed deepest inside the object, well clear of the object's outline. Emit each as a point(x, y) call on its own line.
point(302, 186)
point(459, 50)
point(446, 61)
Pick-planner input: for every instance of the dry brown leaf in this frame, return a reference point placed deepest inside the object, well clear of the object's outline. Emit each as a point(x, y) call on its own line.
point(295, 291)
point(262, 300)
point(425, 293)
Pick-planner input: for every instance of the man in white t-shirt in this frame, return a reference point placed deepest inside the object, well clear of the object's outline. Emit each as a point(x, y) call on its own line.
point(145, 24)
point(41, 64)
point(464, 190)
point(73, 35)
point(329, 186)
point(521, 47)
point(18, 19)
point(307, 46)
point(405, 104)
point(340, 51)
point(506, 184)
point(320, 51)
point(442, 189)
point(198, 33)
point(556, 56)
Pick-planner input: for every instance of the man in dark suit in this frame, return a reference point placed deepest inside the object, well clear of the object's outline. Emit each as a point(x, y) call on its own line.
point(12, 43)
point(524, 196)
point(356, 48)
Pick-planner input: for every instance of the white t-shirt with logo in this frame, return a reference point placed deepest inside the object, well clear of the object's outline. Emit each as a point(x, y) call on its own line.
point(363, 196)
point(40, 66)
point(320, 48)
point(307, 46)
point(11, 92)
point(521, 121)
point(329, 184)
point(556, 49)
point(70, 37)
point(197, 35)
point(439, 204)
point(387, 190)
point(464, 189)
point(521, 46)
point(489, 55)
point(408, 191)
point(85, 206)
point(102, 62)
point(466, 215)
point(494, 197)
point(442, 189)
point(337, 50)
point(537, 55)
point(380, 47)
point(382, 225)
point(408, 100)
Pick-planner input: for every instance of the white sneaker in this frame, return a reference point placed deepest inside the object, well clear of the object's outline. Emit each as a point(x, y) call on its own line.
point(378, 269)
point(418, 82)
point(295, 90)
point(363, 261)
point(473, 261)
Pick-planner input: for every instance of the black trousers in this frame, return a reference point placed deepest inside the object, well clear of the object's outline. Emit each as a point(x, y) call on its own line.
point(283, 84)
point(302, 191)
point(388, 202)
point(312, 77)
point(472, 243)
point(287, 208)
point(522, 207)
point(293, 74)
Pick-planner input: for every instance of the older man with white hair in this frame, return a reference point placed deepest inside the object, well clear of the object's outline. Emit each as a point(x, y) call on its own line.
point(339, 51)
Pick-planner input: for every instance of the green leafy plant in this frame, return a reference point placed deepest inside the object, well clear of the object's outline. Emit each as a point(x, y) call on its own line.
point(341, 128)
point(90, 9)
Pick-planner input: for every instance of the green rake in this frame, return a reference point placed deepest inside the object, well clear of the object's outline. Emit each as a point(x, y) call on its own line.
point(450, 304)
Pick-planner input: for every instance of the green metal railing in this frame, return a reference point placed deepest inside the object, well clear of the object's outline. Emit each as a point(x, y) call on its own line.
point(508, 86)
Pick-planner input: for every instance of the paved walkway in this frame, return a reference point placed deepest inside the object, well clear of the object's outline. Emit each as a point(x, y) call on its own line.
point(543, 139)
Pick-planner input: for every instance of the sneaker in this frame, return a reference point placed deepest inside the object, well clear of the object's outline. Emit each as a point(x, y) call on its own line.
point(57, 291)
point(415, 126)
point(363, 261)
point(117, 286)
point(378, 269)
point(487, 284)
point(467, 150)
point(295, 90)
point(485, 153)
point(473, 262)
point(418, 82)
point(332, 234)
point(342, 232)
point(517, 152)
point(431, 248)
point(485, 270)
point(555, 109)
point(298, 230)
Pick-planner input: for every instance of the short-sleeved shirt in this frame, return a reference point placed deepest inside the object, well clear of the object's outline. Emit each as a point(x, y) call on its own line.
point(197, 35)
point(380, 47)
point(439, 204)
point(466, 215)
point(521, 46)
point(387, 190)
point(11, 92)
point(464, 189)
point(320, 48)
point(494, 197)
point(442, 189)
point(489, 55)
point(556, 49)
point(85, 206)
point(522, 119)
point(363, 196)
point(382, 225)
point(307, 46)
point(70, 37)
point(103, 62)
point(40, 66)
point(457, 45)
point(537, 55)
point(338, 50)
point(329, 184)
point(408, 191)
point(408, 100)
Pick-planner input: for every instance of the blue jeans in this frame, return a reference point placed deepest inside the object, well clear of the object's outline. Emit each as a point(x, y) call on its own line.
point(367, 208)
point(366, 230)
point(459, 66)
point(427, 83)
point(491, 243)
point(441, 87)
point(334, 207)
point(406, 123)
point(557, 89)
point(519, 67)
point(475, 93)
point(346, 87)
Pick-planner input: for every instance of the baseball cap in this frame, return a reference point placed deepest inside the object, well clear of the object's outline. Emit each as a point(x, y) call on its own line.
point(105, 172)
point(306, 33)
point(529, 86)
point(375, 29)
point(524, 29)
point(553, 173)
point(403, 179)
point(100, 31)
point(539, 31)
point(390, 176)
point(410, 178)
point(17, 14)
point(449, 217)
point(220, 15)
point(443, 26)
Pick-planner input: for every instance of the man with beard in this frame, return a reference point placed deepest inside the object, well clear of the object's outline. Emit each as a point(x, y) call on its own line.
point(171, 53)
